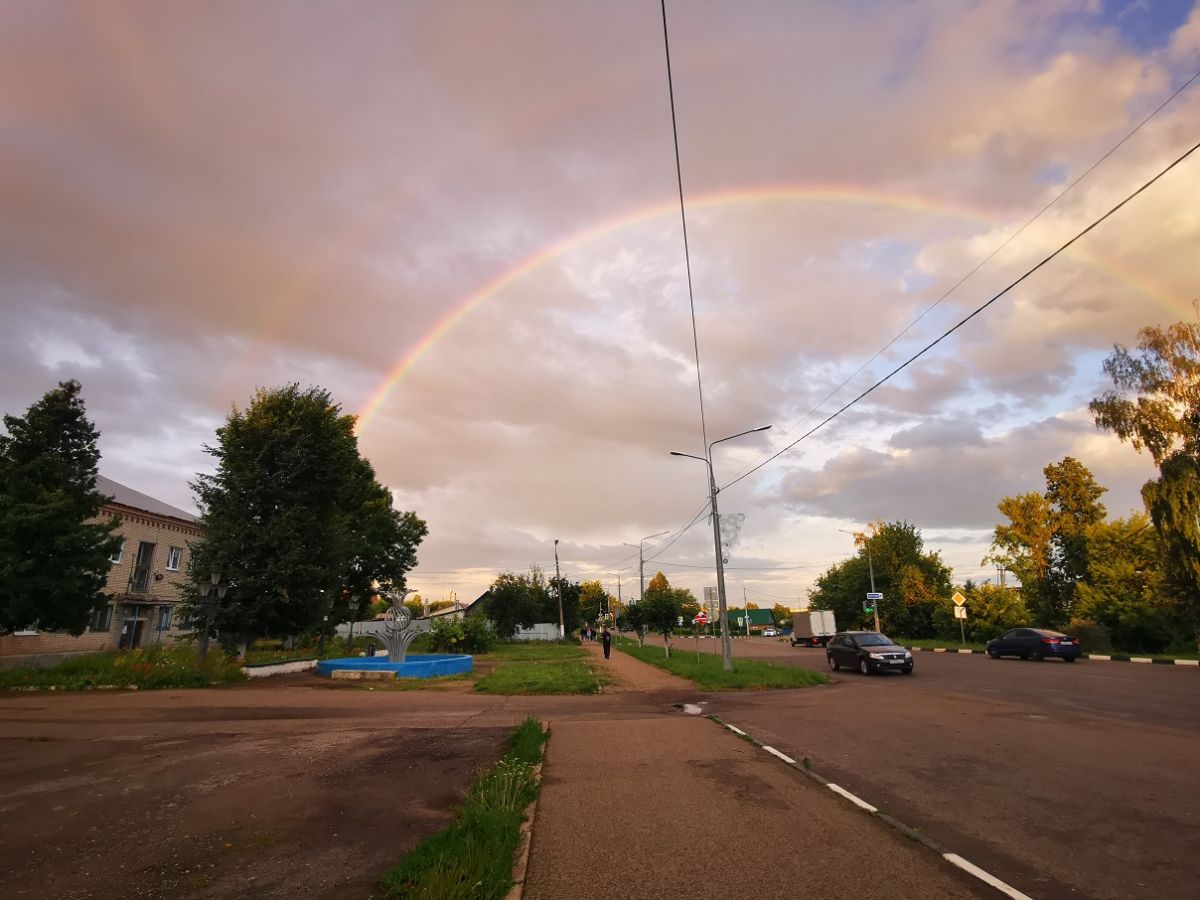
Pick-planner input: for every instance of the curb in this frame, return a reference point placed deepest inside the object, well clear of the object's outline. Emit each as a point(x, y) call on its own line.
point(521, 860)
point(1107, 657)
point(913, 834)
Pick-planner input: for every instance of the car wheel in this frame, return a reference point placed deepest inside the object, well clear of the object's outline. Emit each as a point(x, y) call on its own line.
point(864, 667)
point(994, 654)
point(833, 663)
point(1068, 659)
point(1036, 656)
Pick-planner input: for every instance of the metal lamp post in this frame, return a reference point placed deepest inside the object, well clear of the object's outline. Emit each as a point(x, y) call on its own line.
point(562, 629)
point(213, 591)
point(642, 561)
point(726, 643)
point(870, 568)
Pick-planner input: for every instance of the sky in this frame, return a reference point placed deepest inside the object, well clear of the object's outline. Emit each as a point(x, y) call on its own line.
point(462, 218)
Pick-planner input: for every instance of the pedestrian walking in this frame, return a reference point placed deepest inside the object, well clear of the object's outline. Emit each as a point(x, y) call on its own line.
point(607, 638)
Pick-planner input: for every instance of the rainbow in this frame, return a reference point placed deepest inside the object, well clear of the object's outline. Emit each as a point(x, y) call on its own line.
point(824, 193)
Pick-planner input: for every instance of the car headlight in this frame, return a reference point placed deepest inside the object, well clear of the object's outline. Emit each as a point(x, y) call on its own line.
point(908, 654)
point(877, 656)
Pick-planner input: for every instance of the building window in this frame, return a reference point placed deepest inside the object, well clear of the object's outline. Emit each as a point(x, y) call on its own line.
point(164, 616)
point(102, 618)
point(174, 556)
point(120, 552)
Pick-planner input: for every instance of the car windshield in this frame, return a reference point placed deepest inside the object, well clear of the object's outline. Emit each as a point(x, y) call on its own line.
point(872, 640)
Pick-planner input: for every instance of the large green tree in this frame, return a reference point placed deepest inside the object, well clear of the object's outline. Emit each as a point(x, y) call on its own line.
point(1045, 541)
point(594, 602)
point(518, 601)
point(912, 581)
point(661, 607)
point(1155, 405)
point(54, 558)
point(294, 519)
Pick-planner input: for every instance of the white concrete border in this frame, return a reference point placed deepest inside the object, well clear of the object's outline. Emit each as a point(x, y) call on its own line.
point(295, 665)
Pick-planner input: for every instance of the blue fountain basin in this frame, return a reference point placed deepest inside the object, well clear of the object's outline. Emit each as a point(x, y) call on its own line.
point(416, 665)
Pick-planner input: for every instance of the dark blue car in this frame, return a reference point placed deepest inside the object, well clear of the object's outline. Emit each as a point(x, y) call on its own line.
point(1034, 643)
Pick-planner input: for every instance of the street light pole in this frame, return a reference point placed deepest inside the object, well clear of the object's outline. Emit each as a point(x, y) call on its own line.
point(870, 568)
point(562, 630)
point(723, 609)
point(642, 561)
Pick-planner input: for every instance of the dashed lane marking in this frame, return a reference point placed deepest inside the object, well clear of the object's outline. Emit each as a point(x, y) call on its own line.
point(986, 877)
point(774, 752)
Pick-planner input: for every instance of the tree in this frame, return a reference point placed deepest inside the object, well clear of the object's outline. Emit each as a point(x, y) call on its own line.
point(517, 601)
point(1156, 407)
point(1045, 542)
point(1126, 592)
point(570, 604)
point(594, 602)
point(54, 558)
point(294, 519)
point(782, 614)
point(912, 582)
point(660, 607)
point(991, 610)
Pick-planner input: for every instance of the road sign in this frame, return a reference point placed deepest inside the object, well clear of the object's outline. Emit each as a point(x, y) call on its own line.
point(958, 599)
point(710, 596)
point(960, 612)
point(700, 619)
point(874, 596)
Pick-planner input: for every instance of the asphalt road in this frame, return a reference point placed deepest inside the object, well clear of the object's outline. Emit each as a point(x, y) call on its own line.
point(1063, 779)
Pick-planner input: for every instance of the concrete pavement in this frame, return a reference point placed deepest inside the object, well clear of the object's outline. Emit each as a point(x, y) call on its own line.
point(672, 805)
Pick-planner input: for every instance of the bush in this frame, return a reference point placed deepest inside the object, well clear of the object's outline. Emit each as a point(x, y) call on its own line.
point(1093, 636)
point(470, 634)
point(154, 667)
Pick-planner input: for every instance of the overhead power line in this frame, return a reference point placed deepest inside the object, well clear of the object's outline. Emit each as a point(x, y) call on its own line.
point(983, 262)
point(963, 321)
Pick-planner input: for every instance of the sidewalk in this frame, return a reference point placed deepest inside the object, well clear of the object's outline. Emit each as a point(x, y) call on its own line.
point(664, 805)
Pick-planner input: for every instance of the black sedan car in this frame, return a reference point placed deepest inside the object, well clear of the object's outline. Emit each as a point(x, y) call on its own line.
point(868, 651)
point(1034, 643)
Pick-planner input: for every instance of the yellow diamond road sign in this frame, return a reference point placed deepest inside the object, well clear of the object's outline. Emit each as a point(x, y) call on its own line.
point(958, 599)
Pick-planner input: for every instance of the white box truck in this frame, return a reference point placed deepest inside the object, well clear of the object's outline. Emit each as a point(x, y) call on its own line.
point(813, 628)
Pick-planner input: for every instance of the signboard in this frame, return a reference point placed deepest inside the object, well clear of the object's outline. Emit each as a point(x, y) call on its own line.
point(739, 620)
point(680, 621)
point(700, 619)
point(958, 599)
point(874, 596)
point(960, 612)
point(710, 596)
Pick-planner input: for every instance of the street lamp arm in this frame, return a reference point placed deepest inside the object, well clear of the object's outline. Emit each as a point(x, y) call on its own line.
point(732, 436)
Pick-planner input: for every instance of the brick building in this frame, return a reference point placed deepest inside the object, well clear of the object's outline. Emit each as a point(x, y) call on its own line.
point(143, 583)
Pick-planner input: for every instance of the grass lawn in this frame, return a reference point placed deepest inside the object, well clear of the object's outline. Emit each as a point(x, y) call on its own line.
point(473, 858)
point(538, 667)
point(933, 643)
point(154, 667)
point(747, 674)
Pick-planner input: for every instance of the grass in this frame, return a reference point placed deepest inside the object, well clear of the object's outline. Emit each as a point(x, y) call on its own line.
point(706, 672)
point(473, 858)
point(538, 667)
point(148, 669)
point(933, 643)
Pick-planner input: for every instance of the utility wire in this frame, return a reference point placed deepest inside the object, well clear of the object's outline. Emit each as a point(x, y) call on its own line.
point(687, 258)
point(963, 321)
point(1012, 237)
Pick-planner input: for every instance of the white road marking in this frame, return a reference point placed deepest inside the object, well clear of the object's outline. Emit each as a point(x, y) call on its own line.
point(849, 796)
point(1187, 662)
point(1141, 659)
point(774, 752)
point(736, 730)
point(1098, 656)
point(1008, 890)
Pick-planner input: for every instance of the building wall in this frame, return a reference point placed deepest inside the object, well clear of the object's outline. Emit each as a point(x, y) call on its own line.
point(155, 606)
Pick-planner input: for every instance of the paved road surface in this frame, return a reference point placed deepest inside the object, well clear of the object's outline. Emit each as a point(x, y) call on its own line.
point(1066, 780)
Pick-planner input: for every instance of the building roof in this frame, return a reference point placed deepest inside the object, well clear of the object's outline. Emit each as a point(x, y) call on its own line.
point(127, 496)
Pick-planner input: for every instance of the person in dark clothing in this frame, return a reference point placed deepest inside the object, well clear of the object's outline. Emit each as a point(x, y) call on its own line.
point(607, 638)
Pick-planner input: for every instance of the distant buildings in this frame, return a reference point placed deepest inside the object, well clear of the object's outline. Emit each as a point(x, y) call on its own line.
point(143, 583)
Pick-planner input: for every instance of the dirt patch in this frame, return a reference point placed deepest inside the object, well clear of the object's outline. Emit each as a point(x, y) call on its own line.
point(310, 807)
